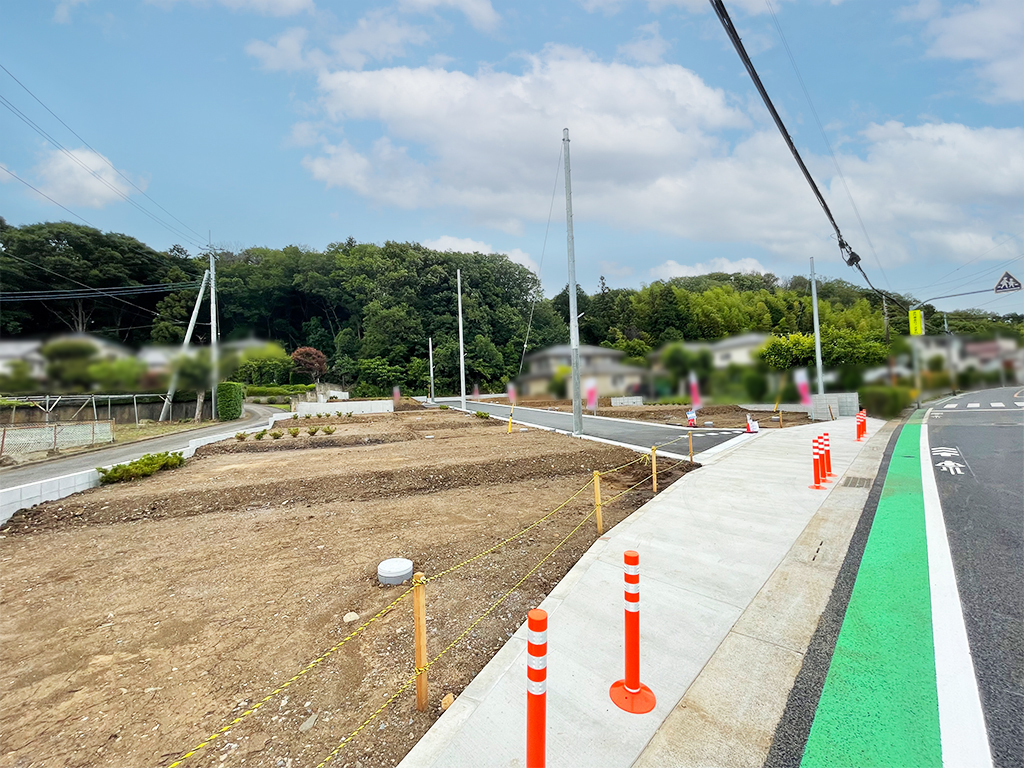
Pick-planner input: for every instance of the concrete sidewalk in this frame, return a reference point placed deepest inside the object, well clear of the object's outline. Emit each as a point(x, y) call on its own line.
point(707, 545)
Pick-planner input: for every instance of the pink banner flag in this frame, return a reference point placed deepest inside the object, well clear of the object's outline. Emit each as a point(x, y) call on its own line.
point(803, 385)
point(591, 394)
point(396, 395)
point(694, 391)
point(512, 393)
point(476, 392)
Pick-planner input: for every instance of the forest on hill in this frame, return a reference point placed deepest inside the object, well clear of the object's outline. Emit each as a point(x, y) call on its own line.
point(371, 308)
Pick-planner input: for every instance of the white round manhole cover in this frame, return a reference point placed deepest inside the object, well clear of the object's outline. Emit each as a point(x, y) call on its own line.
point(394, 571)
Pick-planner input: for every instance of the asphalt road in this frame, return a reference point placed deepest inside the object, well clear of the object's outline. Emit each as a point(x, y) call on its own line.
point(116, 454)
point(633, 433)
point(978, 453)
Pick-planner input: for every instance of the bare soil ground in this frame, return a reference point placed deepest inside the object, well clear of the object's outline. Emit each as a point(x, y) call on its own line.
point(721, 415)
point(136, 620)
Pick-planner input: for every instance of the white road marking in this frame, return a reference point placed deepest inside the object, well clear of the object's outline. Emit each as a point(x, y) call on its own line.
point(962, 729)
point(998, 405)
point(974, 405)
point(951, 405)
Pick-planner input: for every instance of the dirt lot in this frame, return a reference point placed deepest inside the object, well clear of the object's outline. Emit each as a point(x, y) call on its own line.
point(721, 415)
point(137, 620)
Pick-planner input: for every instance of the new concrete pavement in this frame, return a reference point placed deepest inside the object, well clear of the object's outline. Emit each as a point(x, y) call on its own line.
point(708, 544)
point(117, 454)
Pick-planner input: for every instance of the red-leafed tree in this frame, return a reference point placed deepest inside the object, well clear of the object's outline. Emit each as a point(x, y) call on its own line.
point(311, 362)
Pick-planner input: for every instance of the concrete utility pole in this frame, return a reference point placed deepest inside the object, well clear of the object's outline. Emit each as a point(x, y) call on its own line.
point(214, 350)
point(574, 321)
point(817, 331)
point(430, 350)
point(165, 411)
point(462, 349)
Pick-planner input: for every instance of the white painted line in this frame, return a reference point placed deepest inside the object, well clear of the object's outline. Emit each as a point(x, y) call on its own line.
point(951, 405)
point(1017, 402)
point(962, 730)
point(974, 405)
point(998, 405)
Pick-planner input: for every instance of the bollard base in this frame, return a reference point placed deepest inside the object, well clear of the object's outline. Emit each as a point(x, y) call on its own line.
point(817, 487)
point(636, 703)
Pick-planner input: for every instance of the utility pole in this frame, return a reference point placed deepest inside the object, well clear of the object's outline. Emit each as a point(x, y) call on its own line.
point(214, 351)
point(165, 411)
point(885, 320)
point(817, 331)
point(950, 352)
point(574, 321)
point(462, 349)
point(430, 350)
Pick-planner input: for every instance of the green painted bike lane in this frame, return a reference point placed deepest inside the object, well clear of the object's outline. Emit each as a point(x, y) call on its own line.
point(879, 704)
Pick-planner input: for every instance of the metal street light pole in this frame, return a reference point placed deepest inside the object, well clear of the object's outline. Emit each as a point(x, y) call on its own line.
point(574, 324)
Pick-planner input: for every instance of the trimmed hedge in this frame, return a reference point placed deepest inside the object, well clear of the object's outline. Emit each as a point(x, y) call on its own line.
point(885, 402)
point(230, 396)
point(145, 466)
point(286, 390)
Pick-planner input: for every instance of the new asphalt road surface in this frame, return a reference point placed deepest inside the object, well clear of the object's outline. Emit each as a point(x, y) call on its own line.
point(928, 667)
point(636, 434)
point(115, 454)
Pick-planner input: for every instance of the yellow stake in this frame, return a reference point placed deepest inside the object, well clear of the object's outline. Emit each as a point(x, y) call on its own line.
point(597, 502)
point(510, 418)
point(419, 612)
point(654, 468)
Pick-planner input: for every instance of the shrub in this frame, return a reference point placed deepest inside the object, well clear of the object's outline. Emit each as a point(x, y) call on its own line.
point(349, 414)
point(240, 436)
point(307, 415)
point(258, 400)
point(271, 400)
point(141, 467)
point(313, 430)
point(261, 434)
point(277, 434)
point(230, 396)
point(756, 384)
point(482, 415)
point(329, 429)
point(440, 407)
point(286, 390)
point(884, 402)
point(293, 431)
point(295, 415)
point(319, 415)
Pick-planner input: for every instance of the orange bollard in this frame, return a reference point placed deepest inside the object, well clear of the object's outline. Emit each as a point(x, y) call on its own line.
point(817, 470)
point(828, 457)
point(536, 688)
point(629, 693)
point(822, 466)
point(860, 426)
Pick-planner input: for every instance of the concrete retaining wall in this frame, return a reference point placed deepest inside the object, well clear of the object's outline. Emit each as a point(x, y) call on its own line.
point(349, 406)
point(620, 401)
point(843, 404)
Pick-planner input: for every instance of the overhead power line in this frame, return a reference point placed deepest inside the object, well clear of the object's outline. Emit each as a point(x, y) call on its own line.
point(849, 256)
point(12, 174)
point(105, 160)
point(124, 290)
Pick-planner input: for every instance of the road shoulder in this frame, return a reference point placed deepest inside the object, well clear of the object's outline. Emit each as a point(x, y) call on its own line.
point(729, 715)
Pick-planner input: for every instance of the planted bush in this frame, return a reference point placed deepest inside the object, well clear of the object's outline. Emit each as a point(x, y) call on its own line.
point(141, 467)
point(271, 400)
point(241, 436)
point(443, 407)
point(884, 402)
point(312, 430)
point(293, 431)
point(295, 415)
point(329, 429)
point(482, 415)
point(230, 396)
point(261, 434)
point(307, 415)
point(277, 434)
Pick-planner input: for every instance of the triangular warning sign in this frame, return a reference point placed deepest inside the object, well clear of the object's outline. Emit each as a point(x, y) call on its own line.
point(1007, 283)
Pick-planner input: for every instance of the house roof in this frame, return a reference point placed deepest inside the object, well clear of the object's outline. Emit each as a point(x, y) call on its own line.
point(564, 350)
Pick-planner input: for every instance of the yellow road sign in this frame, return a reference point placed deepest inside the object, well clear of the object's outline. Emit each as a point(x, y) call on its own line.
point(916, 322)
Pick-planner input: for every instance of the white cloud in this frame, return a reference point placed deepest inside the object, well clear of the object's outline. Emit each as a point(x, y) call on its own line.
point(285, 54)
point(653, 148)
point(62, 13)
point(749, 7)
point(647, 45)
point(988, 32)
point(672, 268)
point(68, 182)
point(479, 13)
point(264, 7)
point(466, 245)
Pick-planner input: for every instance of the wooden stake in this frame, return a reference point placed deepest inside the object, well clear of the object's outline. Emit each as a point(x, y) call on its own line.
point(419, 612)
point(654, 468)
point(597, 502)
point(691, 447)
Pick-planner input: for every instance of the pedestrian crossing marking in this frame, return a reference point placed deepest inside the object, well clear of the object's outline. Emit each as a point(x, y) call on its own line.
point(951, 405)
point(998, 405)
point(974, 405)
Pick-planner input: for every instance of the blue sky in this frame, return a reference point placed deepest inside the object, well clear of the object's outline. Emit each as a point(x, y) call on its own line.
point(272, 122)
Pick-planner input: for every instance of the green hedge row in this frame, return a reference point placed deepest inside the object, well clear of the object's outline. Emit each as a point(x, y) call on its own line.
point(141, 467)
point(884, 402)
point(284, 390)
point(230, 396)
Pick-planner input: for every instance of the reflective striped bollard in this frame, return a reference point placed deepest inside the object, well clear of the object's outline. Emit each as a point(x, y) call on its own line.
point(629, 693)
point(536, 687)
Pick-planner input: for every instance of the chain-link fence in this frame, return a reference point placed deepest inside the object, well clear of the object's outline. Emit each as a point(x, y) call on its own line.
point(21, 440)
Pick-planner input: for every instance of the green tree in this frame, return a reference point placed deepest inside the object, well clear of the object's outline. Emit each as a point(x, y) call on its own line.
point(68, 361)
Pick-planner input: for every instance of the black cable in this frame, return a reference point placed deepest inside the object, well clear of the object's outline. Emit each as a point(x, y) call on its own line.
point(124, 290)
point(43, 194)
point(848, 255)
point(86, 143)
